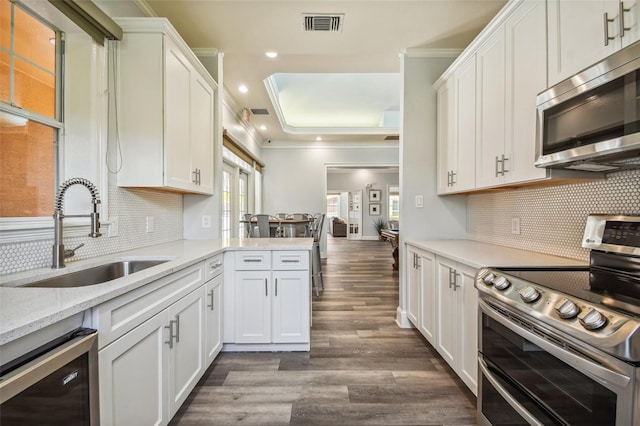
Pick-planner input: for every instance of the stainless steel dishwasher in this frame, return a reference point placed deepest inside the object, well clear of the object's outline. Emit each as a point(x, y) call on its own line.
point(55, 384)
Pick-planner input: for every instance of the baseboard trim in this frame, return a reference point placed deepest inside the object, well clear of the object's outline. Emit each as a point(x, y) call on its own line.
point(402, 320)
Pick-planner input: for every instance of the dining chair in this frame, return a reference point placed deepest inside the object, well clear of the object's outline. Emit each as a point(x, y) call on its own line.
point(247, 224)
point(263, 226)
point(301, 230)
point(317, 281)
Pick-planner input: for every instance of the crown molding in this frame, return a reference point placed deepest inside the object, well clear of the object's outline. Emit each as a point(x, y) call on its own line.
point(432, 53)
point(207, 52)
point(145, 8)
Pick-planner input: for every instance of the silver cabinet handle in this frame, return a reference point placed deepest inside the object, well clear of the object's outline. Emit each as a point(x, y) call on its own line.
point(266, 288)
point(171, 335)
point(216, 266)
point(504, 161)
point(212, 299)
point(606, 29)
point(449, 178)
point(453, 175)
point(623, 10)
point(251, 260)
point(497, 168)
point(177, 328)
point(195, 176)
point(452, 277)
point(455, 280)
point(276, 287)
point(290, 261)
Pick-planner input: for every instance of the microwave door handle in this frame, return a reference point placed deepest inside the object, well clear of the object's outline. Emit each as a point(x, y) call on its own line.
point(524, 413)
point(603, 375)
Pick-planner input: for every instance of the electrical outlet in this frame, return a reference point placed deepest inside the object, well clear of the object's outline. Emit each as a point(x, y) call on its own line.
point(419, 201)
point(113, 226)
point(150, 224)
point(206, 221)
point(515, 225)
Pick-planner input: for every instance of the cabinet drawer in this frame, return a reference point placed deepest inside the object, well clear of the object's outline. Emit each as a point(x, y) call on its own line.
point(122, 314)
point(290, 260)
point(253, 260)
point(212, 267)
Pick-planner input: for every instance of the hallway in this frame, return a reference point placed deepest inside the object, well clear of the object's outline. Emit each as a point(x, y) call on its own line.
point(362, 368)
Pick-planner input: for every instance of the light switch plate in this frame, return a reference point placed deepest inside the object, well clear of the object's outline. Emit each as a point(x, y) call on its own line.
point(113, 226)
point(150, 224)
point(515, 225)
point(419, 201)
point(206, 221)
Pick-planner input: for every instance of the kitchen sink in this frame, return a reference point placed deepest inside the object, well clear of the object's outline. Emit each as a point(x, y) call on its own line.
point(97, 274)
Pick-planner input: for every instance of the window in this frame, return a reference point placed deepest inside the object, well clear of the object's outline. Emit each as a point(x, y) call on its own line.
point(30, 112)
point(227, 172)
point(333, 205)
point(242, 201)
point(394, 203)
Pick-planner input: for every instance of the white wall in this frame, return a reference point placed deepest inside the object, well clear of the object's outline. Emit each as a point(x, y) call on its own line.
point(356, 180)
point(441, 217)
point(295, 178)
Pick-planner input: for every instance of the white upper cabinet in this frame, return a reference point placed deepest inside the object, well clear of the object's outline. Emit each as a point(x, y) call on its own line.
point(490, 129)
point(511, 72)
point(456, 130)
point(166, 112)
point(582, 33)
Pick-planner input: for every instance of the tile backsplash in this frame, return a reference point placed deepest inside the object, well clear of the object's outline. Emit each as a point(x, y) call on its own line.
point(552, 218)
point(131, 206)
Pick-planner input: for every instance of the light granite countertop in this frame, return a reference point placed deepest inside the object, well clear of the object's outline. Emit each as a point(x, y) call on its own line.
point(24, 310)
point(477, 255)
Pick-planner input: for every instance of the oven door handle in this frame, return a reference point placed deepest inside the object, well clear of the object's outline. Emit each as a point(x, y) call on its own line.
point(31, 373)
point(605, 376)
point(524, 413)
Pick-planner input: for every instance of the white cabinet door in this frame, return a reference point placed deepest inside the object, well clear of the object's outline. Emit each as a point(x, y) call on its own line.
point(252, 307)
point(413, 286)
point(468, 326)
point(202, 139)
point(177, 87)
point(445, 134)
point(213, 319)
point(134, 376)
point(457, 319)
point(428, 306)
point(465, 127)
point(577, 35)
point(526, 56)
point(490, 104)
point(290, 307)
point(187, 354)
point(631, 21)
point(447, 312)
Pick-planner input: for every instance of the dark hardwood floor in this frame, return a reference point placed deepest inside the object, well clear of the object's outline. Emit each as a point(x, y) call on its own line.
point(362, 368)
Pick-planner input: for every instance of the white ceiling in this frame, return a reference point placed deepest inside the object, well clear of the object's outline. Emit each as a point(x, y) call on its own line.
point(374, 34)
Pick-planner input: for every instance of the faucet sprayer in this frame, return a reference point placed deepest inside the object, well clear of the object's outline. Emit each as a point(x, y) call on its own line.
point(59, 253)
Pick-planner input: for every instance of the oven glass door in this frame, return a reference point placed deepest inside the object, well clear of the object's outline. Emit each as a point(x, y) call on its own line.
point(550, 390)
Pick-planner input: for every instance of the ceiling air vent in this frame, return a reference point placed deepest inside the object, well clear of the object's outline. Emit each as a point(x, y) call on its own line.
point(392, 138)
point(320, 22)
point(259, 111)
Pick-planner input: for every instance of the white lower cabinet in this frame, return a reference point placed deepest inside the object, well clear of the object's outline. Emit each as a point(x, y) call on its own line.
point(267, 300)
point(134, 376)
point(148, 367)
point(444, 301)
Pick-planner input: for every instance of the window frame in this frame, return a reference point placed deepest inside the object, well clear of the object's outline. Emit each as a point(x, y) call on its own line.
point(26, 229)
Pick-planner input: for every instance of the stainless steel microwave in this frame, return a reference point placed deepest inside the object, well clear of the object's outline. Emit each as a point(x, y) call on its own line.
point(591, 121)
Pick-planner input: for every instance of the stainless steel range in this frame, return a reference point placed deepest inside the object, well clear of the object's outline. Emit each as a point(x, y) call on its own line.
point(561, 345)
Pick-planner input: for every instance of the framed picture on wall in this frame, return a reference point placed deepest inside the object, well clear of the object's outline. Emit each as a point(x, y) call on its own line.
point(374, 209)
point(374, 195)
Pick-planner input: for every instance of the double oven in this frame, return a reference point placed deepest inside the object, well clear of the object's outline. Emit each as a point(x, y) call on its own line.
point(561, 345)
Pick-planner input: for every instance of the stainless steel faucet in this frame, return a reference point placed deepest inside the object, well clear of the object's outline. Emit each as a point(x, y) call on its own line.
point(59, 253)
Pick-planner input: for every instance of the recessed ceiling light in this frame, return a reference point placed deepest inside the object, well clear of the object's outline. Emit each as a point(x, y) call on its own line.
point(243, 89)
point(272, 54)
point(318, 138)
point(263, 127)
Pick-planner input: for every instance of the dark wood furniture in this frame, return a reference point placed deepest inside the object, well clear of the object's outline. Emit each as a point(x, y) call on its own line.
point(393, 238)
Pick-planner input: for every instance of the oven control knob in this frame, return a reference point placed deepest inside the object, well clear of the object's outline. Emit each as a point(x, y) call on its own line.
point(501, 283)
point(488, 279)
point(566, 309)
point(529, 294)
point(593, 320)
